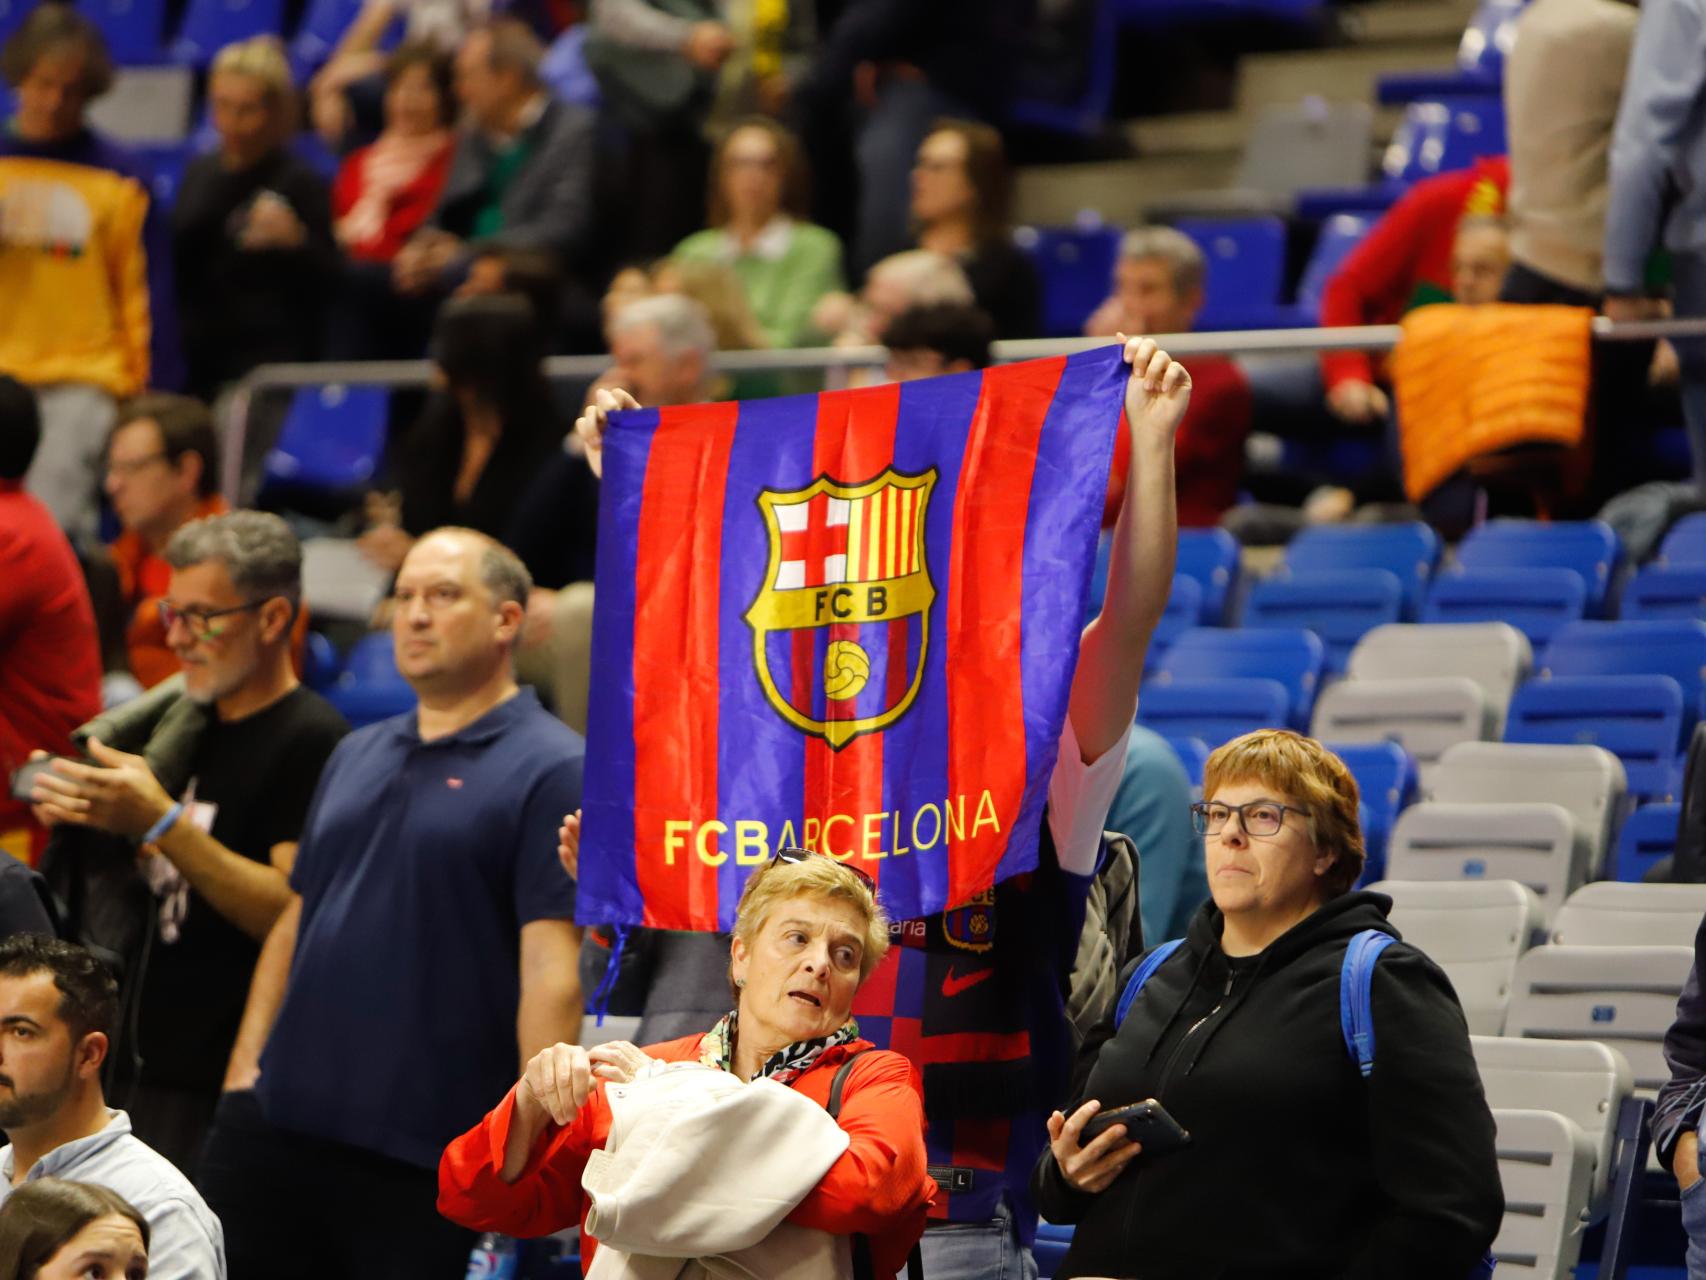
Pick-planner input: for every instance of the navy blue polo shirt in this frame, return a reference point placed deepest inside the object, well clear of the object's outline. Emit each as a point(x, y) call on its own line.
point(418, 866)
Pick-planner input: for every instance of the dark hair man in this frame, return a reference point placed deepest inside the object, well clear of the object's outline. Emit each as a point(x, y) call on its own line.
point(937, 338)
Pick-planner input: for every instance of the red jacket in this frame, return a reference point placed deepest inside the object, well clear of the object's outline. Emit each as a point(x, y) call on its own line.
point(409, 208)
point(50, 659)
point(1208, 459)
point(878, 1188)
point(1405, 260)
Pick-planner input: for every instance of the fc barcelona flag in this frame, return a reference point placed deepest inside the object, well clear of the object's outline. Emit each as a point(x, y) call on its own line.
point(845, 622)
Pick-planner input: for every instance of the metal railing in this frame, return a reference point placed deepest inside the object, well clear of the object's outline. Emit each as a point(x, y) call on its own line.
point(417, 373)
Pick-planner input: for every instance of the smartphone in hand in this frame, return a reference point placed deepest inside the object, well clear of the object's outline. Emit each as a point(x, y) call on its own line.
point(1146, 1122)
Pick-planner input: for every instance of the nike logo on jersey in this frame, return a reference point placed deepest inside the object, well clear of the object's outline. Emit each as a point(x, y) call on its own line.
point(953, 986)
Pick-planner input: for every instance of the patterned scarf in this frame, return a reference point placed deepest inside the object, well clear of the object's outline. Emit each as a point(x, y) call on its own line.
point(784, 1066)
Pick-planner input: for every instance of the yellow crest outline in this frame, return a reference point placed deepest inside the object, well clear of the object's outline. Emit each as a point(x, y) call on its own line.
point(773, 610)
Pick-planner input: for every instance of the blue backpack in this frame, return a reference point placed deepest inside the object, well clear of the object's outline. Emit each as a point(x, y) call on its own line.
point(1356, 1012)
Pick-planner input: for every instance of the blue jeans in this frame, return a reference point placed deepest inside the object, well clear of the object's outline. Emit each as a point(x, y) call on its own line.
point(978, 1251)
point(1688, 274)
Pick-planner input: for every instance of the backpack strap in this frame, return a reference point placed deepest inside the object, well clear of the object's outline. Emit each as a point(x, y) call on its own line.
point(1356, 984)
point(863, 1269)
point(1146, 967)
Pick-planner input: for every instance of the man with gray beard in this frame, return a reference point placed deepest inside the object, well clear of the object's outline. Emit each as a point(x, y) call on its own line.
point(58, 1006)
point(174, 843)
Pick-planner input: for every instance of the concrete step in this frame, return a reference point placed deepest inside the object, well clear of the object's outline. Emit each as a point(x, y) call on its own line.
point(1054, 195)
point(1189, 133)
point(1339, 75)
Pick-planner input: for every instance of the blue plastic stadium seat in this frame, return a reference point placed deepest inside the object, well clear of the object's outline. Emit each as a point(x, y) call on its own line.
point(166, 162)
point(1215, 711)
point(1408, 551)
point(1246, 270)
point(1341, 233)
point(322, 665)
point(1052, 1242)
point(1438, 137)
point(1338, 605)
point(210, 25)
point(1293, 658)
point(1666, 591)
point(133, 29)
point(1184, 611)
point(1076, 267)
point(1386, 777)
point(331, 440)
point(323, 25)
point(1480, 58)
point(1536, 601)
point(1589, 547)
point(1676, 649)
point(1211, 557)
point(1193, 753)
point(1685, 543)
point(1647, 838)
point(370, 689)
point(1638, 718)
point(12, 14)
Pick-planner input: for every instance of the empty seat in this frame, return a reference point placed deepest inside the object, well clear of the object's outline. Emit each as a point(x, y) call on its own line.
point(1636, 718)
point(370, 688)
point(1685, 542)
point(1423, 716)
point(1538, 602)
point(1408, 551)
point(1589, 547)
point(1075, 266)
point(1215, 711)
point(210, 25)
point(1536, 845)
point(1193, 754)
point(1647, 838)
point(1495, 655)
point(1246, 269)
point(1386, 779)
point(1292, 657)
point(1621, 996)
point(1546, 1168)
point(1676, 649)
point(1474, 930)
point(332, 438)
point(322, 664)
point(1582, 1080)
point(1435, 137)
point(1588, 781)
point(1611, 914)
point(1184, 611)
point(133, 29)
point(1340, 234)
point(1663, 592)
point(1211, 557)
point(323, 25)
point(1480, 57)
point(1338, 605)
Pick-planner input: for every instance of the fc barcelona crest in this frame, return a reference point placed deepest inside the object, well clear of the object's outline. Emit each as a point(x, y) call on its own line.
point(841, 623)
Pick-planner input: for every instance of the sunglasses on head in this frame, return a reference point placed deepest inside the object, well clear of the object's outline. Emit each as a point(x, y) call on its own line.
point(805, 855)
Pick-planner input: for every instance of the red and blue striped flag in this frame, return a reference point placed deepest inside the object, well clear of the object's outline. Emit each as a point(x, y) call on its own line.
point(845, 622)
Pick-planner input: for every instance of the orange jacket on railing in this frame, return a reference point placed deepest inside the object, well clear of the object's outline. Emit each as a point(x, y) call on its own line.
point(1472, 381)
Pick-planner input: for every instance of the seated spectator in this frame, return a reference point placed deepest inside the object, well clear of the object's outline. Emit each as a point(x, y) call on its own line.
point(941, 337)
point(664, 344)
point(1368, 1190)
point(808, 933)
point(384, 192)
point(212, 778)
point(53, 1229)
point(1404, 262)
point(486, 434)
point(427, 887)
point(346, 96)
point(84, 262)
point(757, 225)
point(522, 176)
point(570, 318)
point(909, 279)
point(1480, 259)
point(251, 229)
point(960, 201)
point(717, 288)
point(56, 1115)
point(1158, 288)
point(50, 663)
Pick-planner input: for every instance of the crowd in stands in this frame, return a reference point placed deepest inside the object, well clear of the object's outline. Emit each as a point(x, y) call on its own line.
point(314, 956)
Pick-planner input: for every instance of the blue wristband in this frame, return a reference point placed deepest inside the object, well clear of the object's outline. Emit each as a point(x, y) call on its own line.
point(161, 827)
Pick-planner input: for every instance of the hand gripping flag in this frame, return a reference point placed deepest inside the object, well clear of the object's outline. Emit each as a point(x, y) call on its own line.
point(845, 622)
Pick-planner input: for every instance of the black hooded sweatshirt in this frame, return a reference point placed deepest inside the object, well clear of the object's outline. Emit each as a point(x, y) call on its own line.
point(1298, 1166)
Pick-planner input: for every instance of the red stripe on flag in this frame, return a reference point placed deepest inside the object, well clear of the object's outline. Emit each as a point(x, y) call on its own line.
point(986, 696)
point(855, 440)
point(675, 655)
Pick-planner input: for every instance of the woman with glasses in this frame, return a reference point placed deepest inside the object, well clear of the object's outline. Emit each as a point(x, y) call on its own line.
point(778, 1135)
point(1296, 1165)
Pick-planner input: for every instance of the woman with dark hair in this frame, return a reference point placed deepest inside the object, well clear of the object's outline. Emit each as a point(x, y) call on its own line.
point(54, 1229)
point(960, 201)
point(488, 431)
point(384, 192)
point(757, 215)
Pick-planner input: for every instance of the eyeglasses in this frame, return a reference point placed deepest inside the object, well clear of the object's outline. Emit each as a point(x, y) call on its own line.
point(1258, 817)
point(806, 855)
point(200, 621)
point(130, 466)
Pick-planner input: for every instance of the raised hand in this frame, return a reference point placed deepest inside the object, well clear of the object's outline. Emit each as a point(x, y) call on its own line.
point(1158, 391)
point(589, 427)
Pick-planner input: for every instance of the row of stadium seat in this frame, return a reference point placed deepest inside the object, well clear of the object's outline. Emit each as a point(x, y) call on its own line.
point(136, 30)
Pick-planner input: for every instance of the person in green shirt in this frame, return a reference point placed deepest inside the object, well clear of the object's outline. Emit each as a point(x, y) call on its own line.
point(757, 209)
